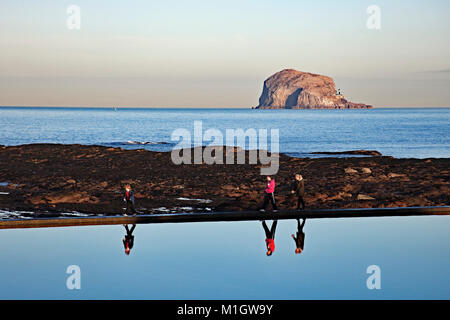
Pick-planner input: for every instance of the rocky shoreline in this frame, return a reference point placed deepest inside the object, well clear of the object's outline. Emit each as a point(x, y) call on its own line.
point(53, 179)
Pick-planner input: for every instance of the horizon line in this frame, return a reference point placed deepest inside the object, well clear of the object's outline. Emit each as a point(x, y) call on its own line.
point(190, 107)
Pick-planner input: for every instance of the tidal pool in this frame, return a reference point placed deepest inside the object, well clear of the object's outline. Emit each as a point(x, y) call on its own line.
point(227, 260)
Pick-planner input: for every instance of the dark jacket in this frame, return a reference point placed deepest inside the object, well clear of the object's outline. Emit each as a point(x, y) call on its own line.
point(299, 239)
point(128, 240)
point(299, 187)
point(130, 196)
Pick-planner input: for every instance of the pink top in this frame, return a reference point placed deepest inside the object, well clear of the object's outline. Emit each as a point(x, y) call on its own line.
point(270, 187)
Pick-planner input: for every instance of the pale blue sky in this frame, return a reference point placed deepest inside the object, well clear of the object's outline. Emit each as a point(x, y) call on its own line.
point(218, 53)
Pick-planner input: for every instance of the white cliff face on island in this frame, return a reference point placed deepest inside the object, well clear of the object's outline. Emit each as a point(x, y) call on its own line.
point(292, 89)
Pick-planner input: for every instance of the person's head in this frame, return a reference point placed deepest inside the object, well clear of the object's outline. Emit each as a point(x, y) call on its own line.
point(127, 251)
point(128, 187)
point(269, 252)
point(268, 178)
point(298, 250)
point(298, 177)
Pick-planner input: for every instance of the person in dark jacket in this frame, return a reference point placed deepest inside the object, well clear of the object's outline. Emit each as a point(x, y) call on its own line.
point(269, 195)
point(270, 237)
point(128, 198)
point(298, 190)
point(300, 238)
point(128, 240)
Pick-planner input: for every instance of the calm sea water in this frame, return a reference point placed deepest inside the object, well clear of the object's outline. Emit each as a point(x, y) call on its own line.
point(228, 260)
point(418, 133)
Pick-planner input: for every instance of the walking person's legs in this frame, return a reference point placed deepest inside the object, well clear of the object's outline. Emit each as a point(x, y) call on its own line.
point(273, 229)
point(266, 229)
point(272, 200)
point(266, 199)
point(300, 203)
point(130, 207)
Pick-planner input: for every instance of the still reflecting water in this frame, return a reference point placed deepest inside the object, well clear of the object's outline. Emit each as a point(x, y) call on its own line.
point(229, 260)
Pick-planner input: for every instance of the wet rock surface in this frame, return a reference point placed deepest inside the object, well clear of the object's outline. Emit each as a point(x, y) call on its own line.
point(50, 180)
point(353, 152)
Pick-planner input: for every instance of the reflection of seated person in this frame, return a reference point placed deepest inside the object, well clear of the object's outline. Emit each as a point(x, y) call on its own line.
point(270, 237)
point(300, 239)
point(128, 240)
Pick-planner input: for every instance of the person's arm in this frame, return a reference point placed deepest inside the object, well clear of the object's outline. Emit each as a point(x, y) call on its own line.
point(293, 187)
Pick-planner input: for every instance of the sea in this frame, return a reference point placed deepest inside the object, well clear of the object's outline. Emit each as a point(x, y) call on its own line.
point(401, 132)
point(346, 258)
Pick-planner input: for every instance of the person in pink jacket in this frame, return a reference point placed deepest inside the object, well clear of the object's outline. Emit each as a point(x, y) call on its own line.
point(269, 195)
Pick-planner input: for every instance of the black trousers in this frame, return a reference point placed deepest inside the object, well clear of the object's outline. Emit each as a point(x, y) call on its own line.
point(130, 207)
point(300, 202)
point(269, 197)
point(270, 234)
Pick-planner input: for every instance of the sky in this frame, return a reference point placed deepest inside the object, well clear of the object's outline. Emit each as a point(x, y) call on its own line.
point(209, 53)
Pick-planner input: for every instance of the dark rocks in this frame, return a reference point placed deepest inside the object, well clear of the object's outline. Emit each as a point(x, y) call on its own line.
point(352, 152)
point(45, 186)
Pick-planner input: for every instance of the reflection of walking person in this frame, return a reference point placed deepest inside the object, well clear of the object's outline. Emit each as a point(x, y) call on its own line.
point(300, 239)
point(270, 236)
point(298, 190)
point(269, 195)
point(128, 197)
point(128, 240)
